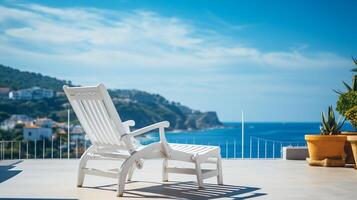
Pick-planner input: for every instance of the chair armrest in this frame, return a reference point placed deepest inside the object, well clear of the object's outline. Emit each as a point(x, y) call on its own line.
point(163, 124)
point(129, 123)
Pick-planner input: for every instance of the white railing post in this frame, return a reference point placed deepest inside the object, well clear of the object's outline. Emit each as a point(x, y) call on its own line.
point(60, 148)
point(51, 147)
point(68, 136)
point(250, 147)
point(43, 148)
point(35, 149)
point(77, 148)
point(3, 150)
point(19, 149)
point(235, 150)
point(27, 149)
point(258, 151)
point(12, 148)
point(226, 149)
point(281, 150)
point(273, 149)
point(265, 149)
point(242, 134)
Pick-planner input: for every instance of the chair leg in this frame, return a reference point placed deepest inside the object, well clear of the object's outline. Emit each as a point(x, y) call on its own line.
point(81, 175)
point(199, 174)
point(219, 168)
point(124, 170)
point(131, 172)
point(82, 164)
point(165, 175)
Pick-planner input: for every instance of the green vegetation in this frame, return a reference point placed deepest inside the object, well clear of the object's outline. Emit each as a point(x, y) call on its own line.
point(349, 88)
point(329, 124)
point(143, 107)
point(346, 101)
point(351, 115)
point(52, 108)
point(3, 116)
point(146, 108)
point(15, 134)
point(16, 79)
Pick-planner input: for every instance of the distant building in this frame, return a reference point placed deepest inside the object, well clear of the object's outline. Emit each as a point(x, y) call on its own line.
point(4, 92)
point(45, 122)
point(11, 122)
point(33, 132)
point(77, 133)
point(60, 94)
point(31, 93)
point(61, 125)
point(20, 95)
point(41, 93)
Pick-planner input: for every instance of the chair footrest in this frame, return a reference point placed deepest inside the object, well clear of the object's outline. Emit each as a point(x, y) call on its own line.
point(97, 172)
point(206, 173)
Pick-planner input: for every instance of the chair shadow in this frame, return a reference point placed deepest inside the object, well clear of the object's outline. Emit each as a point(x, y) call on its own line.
point(189, 190)
point(6, 171)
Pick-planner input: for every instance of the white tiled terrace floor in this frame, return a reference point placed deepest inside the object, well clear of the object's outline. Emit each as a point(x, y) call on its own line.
point(244, 179)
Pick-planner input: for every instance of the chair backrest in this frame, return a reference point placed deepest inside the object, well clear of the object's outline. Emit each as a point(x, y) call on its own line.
point(97, 114)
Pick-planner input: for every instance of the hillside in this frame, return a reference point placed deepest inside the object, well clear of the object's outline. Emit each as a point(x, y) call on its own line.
point(16, 79)
point(143, 107)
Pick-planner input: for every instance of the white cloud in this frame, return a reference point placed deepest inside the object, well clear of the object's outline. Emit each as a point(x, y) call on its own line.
point(138, 38)
point(169, 55)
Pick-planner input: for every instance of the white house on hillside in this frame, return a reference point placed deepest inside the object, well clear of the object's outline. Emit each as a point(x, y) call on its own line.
point(77, 133)
point(31, 93)
point(45, 122)
point(20, 95)
point(33, 132)
point(11, 122)
point(41, 93)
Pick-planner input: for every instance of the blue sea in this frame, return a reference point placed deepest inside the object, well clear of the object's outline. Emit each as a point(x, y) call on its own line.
point(262, 140)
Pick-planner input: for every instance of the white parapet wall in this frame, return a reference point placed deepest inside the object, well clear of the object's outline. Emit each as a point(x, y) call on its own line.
point(295, 153)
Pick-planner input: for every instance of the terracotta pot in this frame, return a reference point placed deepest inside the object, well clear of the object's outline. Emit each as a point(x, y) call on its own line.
point(348, 149)
point(353, 141)
point(326, 150)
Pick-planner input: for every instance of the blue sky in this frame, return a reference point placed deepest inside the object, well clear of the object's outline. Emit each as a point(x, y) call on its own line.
point(276, 60)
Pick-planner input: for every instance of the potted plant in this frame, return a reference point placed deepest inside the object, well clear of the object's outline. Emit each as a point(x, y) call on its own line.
point(351, 115)
point(327, 149)
point(347, 101)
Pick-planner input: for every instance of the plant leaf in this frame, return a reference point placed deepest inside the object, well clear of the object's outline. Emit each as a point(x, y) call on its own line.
point(355, 61)
point(341, 124)
point(337, 91)
point(347, 86)
point(354, 82)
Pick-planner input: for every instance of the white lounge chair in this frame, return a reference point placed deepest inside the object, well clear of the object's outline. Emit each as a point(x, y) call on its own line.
point(112, 139)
